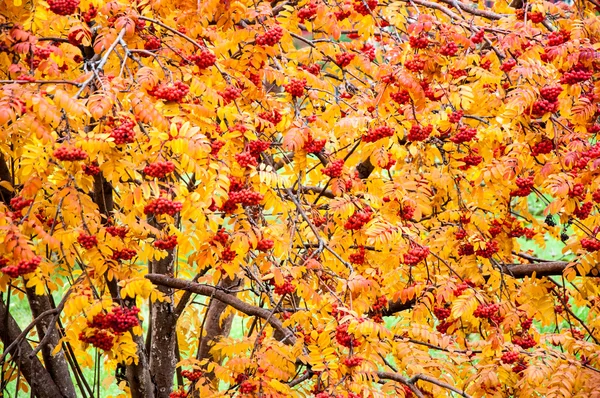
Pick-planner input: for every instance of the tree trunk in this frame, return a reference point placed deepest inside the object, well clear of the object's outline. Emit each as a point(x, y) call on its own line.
point(164, 334)
point(214, 328)
point(40, 380)
point(57, 365)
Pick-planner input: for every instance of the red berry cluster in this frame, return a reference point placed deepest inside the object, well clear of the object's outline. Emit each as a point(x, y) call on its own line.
point(536, 17)
point(191, 375)
point(491, 248)
point(441, 313)
point(456, 73)
point(296, 87)
point(578, 191)
point(152, 43)
point(257, 147)
point(159, 169)
point(166, 244)
point(99, 338)
point(170, 92)
point(419, 42)
point(334, 169)
point(344, 338)
point(407, 211)
point(273, 116)
point(123, 133)
point(124, 254)
point(391, 162)
point(369, 51)
point(401, 97)
point(551, 93)
point(215, 147)
point(415, 255)
point(577, 74)
point(582, 212)
point(120, 232)
point(590, 244)
point(508, 65)
point(18, 203)
point(246, 159)
point(247, 387)
point(162, 206)
point(596, 196)
point(486, 311)
point(558, 37)
point(353, 361)
point(442, 327)
point(364, 7)
point(358, 257)
point(63, 7)
point(91, 169)
point(416, 64)
point(525, 185)
point(246, 197)
point(221, 236)
point(313, 69)
point(344, 59)
point(178, 394)
point(526, 323)
point(461, 287)
point(478, 37)
point(449, 49)
point(543, 147)
point(472, 159)
point(286, 287)
point(264, 245)
point(510, 357)
point(23, 267)
point(466, 249)
point(526, 341)
point(118, 320)
point(70, 154)
point(455, 116)
point(378, 133)
point(519, 367)
point(270, 37)
point(309, 11)
point(87, 241)
point(465, 134)
point(90, 14)
point(314, 146)
point(204, 59)
point(377, 309)
point(418, 133)
point(358, 219)
point(460, 234)
point(228, 255)
point(542, 106)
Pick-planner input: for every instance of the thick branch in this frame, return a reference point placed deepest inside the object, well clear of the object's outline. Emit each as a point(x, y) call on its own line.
point(410, 382)
point(224, 297)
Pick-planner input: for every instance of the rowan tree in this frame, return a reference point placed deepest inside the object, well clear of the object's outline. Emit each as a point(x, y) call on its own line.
point(349, 182)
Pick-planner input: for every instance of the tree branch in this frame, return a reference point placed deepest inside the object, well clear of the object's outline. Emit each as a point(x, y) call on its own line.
point(208, 291)
point(410, 382)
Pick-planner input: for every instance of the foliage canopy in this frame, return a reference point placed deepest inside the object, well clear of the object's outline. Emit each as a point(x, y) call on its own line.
point(349, 181)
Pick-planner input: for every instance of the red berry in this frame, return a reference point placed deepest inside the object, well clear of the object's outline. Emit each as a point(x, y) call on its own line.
point(159, 169)
point(175, 92)
point(296, 87)
point(63, 7)
point(70, 154)
point(378, 133)
point(270, 37)
point(87, 241)
point(334, 169)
